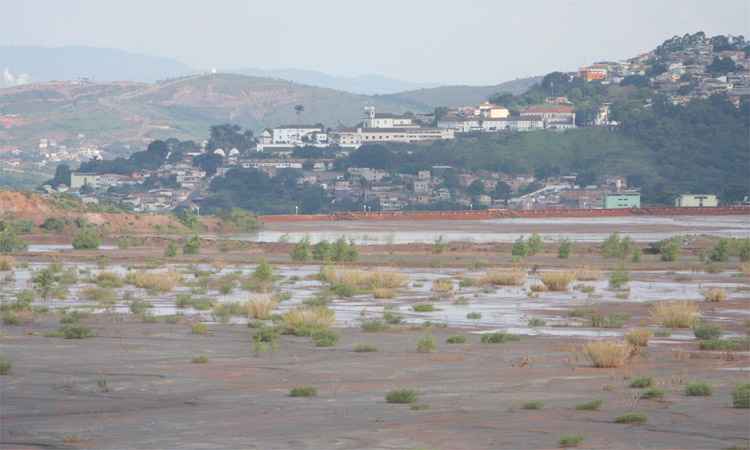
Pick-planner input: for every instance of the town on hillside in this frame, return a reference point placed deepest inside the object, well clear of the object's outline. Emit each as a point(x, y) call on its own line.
point(323, 161)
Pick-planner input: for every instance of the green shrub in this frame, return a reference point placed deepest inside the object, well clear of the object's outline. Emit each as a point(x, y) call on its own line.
point(572, 440)
point(636, 258)
point(641, 382)
point(565, 248)
point(593, 405)
point(192, 246)
point(426, 344)
point(365, 348)
point(698, 389)
point(499, 337)
point(727, 345)
point(10, 242)
point(374, 325)
point(535, 244)
point(619, 278)
point(706, 331)
point(474, 315)
point(741, 396)
point(53, 224)
point(669, 249)
point(720, 252)
point(520, 249)
point(456, 339)
point(199, 328)
point(87, 239)
point(138, 306)
point(325, 338)
point(170, 251)
point(534, 404)
point(613, 320)
point(423, 307)
point(652, 393)
point(303, 391)
point(199, 359)
point(302, 250)
point(5, 365)
point(401, 396)
point(10, 318)
point(536, 322)
point(616, 247)
point(392, 318)
point(632, 418)
point(76, 331)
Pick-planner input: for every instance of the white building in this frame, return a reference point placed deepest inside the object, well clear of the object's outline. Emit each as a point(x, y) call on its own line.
point(354, 137)
point(294, 136)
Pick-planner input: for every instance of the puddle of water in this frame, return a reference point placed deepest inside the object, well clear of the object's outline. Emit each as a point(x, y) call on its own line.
point(507, 308)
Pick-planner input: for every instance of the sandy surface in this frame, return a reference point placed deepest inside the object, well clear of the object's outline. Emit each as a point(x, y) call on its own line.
point(473, 393)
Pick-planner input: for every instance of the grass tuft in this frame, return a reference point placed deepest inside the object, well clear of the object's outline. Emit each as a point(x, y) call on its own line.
point(715, 295)
point(499, 337)
point(401, 396)
point(698, 389)
point(303, 391)
point(558, 281)
point(632, 418)
point(676, 314)
point(572, 440)
point(593, 405)
point(638, 337)
point(607, 354)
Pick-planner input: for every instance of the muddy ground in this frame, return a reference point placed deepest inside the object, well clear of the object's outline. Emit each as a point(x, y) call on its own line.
point(133, 386)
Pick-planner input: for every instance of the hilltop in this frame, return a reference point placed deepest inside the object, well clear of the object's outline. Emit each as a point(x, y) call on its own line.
point(183, 107)
point(454, 96)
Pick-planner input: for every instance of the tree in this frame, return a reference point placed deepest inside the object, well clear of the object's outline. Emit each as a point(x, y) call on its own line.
point(62, 176)
point(520, 249)
point(44, 282)
point(87, 239)
point(192, 246)
point(208, 162)
point(565, 247)
point(535, 244)
point(502, 191)
point(10, 242)
point(722, 66)
point(171, 250)
point(229, 136)
point(301, 250)
point(476, 188)
point(374, 156)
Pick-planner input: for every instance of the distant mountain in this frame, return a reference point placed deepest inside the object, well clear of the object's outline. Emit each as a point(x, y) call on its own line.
point(370, 84)
point(41, 64)
point(454, 96)
point(183, 107)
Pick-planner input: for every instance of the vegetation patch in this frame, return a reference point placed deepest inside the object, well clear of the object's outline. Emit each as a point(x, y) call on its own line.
point(401, 396)
point(572, 440)
point(455, 339)
point(365, 348)
point(593, 405)
point(534, 404)
point(303, 391)
point(632, 418)
point(607, 354)
point(675, 314)
point(698, 389)
point(515, 277)
point(741, 396)
point(499, 337)
point(558, 281)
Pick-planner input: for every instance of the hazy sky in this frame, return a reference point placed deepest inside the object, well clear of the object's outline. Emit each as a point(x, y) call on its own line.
point(464, 41)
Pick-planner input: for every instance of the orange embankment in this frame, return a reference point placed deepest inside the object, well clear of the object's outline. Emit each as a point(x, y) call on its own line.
point(508, 213)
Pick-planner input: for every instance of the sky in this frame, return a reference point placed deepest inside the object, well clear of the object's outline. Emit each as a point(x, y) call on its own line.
point(435, 41)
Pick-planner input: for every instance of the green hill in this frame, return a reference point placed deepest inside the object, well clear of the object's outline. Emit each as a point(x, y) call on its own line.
point(454, 96)
point(184, 108)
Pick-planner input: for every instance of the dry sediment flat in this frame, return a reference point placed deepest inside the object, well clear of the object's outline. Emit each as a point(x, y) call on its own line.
point(155, 398)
